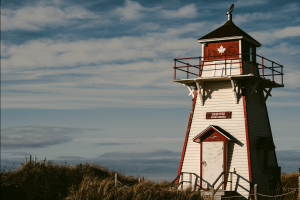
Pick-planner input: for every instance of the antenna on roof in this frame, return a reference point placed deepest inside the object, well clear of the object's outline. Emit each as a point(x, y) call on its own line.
point(229, 12)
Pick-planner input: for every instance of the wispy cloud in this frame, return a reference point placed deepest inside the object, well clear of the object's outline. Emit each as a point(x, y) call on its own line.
point(290, 8)
point(113, 70)
point(134, 11)
point(73, 74)
point(211, 5)
point(67, 67)
point(282, 13)
point(271, 36)
point(131, 11)
point(241, 18)
point(58, 53)
point(37, 136)
point(147, 26)
point(135, 140)
point(188, 11)
point(242, 3)
point(35, 18)
point(115, 143)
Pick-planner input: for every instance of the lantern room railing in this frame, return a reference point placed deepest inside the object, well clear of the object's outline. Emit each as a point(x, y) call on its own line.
point(247, 63)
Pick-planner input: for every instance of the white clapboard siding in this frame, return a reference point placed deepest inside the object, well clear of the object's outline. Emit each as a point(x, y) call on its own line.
point(221, 99)
point(259, 126)
point(217, 69)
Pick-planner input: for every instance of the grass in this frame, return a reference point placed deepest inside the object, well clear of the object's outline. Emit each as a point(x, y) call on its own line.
point(89, 181)
point(289, 180)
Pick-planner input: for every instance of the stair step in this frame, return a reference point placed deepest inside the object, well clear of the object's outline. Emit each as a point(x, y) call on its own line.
point(221, 193)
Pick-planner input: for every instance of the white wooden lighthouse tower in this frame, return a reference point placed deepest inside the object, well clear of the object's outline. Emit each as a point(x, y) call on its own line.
point(228, 134)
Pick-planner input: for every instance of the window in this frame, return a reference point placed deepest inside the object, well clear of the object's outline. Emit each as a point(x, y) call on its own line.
point(251, 55)
point(265, 145)
point(265, 160)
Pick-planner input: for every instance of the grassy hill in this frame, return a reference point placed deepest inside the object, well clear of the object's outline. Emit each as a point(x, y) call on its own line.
point(66, 182)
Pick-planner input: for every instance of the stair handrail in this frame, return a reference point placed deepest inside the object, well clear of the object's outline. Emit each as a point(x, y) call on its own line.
point(217, 179)
point(181, 182)
point(224, 181)
point(175, 180)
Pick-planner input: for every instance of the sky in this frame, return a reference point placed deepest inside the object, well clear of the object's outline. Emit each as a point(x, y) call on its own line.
point(92, 81)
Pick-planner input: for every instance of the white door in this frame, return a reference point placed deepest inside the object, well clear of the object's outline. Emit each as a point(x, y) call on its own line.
point(212, 163)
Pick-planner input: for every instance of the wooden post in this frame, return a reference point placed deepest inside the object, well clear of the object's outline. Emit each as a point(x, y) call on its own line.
point(25, 159)
point(116, 179)
point(191, 181)
point(212, 193)
point(255, 192)
point(230, 181)
point(181, 179)
point(34, 158)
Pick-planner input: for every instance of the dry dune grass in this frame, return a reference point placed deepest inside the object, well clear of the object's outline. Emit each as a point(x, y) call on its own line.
point(94, 188)
point(52, 181)
point(90, 181)
point(289, 180)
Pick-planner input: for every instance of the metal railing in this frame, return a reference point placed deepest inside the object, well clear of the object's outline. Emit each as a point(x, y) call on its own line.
point(260, 66)
point(223, 183)
point(178, 181)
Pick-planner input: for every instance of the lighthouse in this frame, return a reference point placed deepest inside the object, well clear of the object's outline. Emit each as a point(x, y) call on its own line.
point(228, 144)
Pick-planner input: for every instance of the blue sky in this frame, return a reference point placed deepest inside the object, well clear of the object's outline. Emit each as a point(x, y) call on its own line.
point(91, 81)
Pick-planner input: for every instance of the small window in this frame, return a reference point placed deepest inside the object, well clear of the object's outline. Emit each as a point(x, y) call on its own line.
point(251, 55)
point(265, 159)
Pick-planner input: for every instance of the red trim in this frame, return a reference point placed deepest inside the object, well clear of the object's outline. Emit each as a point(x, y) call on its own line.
point(241, 66)
point(213, 134)
point(187, 135)
point(241, 58)
point(248, 143)
point(201, 69)
point(224, 161)
point(214, 137)
point(201, 149)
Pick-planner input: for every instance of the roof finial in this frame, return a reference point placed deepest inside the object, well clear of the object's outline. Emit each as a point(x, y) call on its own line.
point(229, 12)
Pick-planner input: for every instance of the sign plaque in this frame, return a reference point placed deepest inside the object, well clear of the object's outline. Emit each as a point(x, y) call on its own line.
point(218, 115)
